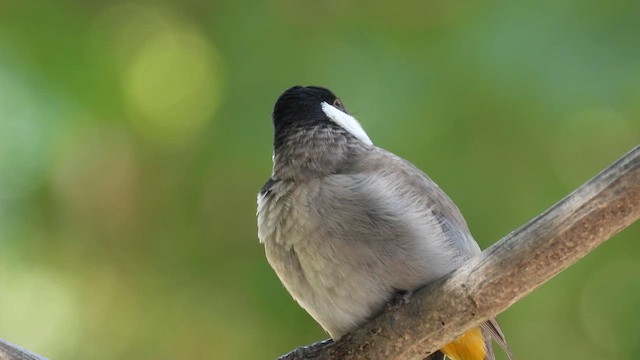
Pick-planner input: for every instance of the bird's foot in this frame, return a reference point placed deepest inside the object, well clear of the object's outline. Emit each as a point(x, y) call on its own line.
point(399, 298)
point(306, 352)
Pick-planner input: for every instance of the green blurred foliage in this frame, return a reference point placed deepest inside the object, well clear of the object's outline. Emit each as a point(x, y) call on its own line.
point(134, 137)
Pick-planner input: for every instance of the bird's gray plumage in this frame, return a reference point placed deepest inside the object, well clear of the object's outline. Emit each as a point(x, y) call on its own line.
point(346, 224)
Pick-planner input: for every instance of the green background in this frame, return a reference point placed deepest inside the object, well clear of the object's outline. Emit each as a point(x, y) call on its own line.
point(134, 137)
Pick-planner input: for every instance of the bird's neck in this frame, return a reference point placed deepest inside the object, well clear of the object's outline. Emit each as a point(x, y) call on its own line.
point(305, 156)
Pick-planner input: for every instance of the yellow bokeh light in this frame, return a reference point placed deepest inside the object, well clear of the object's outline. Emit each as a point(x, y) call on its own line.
point(172, 84)
point(171, 72)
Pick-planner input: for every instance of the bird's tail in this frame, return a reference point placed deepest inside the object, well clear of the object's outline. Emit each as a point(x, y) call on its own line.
point(476, 343)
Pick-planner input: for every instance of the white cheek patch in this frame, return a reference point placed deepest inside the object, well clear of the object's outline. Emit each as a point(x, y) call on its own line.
point(347, 122)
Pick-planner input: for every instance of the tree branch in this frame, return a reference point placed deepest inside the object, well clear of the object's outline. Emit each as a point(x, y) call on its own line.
point(9, 351)
point(501, 275)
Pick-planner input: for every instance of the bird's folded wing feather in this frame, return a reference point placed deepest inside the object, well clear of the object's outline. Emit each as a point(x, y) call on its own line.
point(408, 181)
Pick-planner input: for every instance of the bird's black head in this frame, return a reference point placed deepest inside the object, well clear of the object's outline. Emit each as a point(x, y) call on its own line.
point(307, 110)
point(302, 107)
point(313, 133)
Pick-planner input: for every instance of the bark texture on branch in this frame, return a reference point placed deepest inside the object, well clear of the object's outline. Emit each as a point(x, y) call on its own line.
point(498, 277)
point(9, 351)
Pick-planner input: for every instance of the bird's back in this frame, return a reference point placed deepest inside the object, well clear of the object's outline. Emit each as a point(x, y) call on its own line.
point(346, 242)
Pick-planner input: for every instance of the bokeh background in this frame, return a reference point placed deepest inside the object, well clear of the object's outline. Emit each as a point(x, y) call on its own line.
point(134, 137)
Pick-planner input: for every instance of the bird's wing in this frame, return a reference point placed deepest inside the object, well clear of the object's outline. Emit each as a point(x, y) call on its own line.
point(405, 178)
point(381, 216)
point(409, 229)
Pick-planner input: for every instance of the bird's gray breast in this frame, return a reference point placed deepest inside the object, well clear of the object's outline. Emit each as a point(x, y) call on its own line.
point(342, 250)
point(336, 290)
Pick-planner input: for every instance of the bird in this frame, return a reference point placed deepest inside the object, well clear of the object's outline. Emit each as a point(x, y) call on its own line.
point(348, 226)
